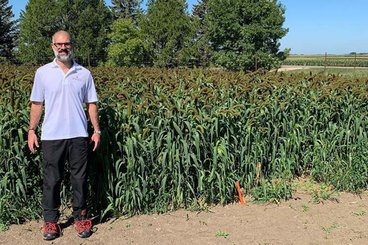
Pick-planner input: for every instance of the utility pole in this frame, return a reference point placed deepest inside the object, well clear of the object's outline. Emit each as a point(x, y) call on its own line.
point(325, 60)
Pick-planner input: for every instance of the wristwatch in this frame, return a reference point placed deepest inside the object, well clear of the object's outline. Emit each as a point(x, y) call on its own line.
point(97, 132)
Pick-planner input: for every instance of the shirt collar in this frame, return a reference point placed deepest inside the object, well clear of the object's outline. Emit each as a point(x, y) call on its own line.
point(74, 66)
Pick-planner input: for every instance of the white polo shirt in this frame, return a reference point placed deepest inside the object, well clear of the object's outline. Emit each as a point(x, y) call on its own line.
point(63, 96)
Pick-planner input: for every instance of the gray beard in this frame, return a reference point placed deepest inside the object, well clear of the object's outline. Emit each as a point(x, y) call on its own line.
point(64, 58)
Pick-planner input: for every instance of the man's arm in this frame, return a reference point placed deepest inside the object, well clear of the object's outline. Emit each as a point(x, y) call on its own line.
point(34, 119)
point(93, 115)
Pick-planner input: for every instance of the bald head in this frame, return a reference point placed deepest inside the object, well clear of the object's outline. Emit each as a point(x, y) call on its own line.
point(61, 34)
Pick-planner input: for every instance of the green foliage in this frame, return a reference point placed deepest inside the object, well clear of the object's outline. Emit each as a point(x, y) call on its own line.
point(168, 29)
point(223, 234)
point(37, 25)
point(344, 170)
point(234, 34)
point(318, 191)
point(126, 9)
point(328, 229)
point(197, 147)
point(182, 138)
point(201, 48)
point(88, 22)
point(8, 32)
point(324, 194)
point(20, 174)
point(275, 190)
point(3, 227)
point(244, 34)
point(126, 47)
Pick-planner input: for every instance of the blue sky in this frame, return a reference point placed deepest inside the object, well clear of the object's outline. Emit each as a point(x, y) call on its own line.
point(315, 26)
point(332, 26)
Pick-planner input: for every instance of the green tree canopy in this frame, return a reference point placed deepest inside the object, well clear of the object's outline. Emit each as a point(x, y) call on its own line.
point(126, 9)
point(167, 27)
point(127, 47)
point(245, 34)
point(8, 32)
point(201, 49)
point(37, 25)
point(88, 22)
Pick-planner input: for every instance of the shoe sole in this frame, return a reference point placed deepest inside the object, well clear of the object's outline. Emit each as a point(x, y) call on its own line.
point(50, 239)
point(84, 236)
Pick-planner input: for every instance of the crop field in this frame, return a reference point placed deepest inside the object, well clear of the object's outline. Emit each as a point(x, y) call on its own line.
point(352, 60)
point(182, 139)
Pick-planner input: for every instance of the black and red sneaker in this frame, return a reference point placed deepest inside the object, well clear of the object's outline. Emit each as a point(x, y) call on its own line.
point(83, 227)
point(51, 231)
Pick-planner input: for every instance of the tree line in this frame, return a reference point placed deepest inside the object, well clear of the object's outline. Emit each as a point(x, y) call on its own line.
point(232, 34)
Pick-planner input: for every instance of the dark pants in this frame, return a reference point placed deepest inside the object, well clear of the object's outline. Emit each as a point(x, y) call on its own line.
point(55, 154)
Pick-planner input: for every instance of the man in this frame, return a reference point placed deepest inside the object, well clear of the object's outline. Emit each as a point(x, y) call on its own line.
point(63, 86)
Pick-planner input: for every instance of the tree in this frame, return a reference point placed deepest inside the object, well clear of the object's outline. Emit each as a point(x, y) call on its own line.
point(127, 47)
point(89, 22)
point(37, 25)
point(201, 48)
point(244, 34)
point(167, 27)
point(8, 31)
point(126, 9)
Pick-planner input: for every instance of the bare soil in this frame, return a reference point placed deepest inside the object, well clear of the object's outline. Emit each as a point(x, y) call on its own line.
point(294, 67)
point(341, 220)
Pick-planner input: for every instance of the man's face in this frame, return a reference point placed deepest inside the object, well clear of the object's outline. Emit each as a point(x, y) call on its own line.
point(62, 47)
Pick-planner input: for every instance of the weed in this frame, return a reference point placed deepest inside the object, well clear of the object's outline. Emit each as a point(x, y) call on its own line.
point(305, 207)
point(360, 213)
point(202, 222)
point(3, 227)
point(223, 234)
point(319, 191)
point(328, 229)
point(273, 191)
point(322, 194)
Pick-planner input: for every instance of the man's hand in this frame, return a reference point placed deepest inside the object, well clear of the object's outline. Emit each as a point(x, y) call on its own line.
point(32, 141)
point(96, 139)
point(34, 118)
point(93, 115)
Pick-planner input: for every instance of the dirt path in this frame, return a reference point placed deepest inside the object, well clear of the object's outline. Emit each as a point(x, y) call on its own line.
point(297, 221)
point(292, 67)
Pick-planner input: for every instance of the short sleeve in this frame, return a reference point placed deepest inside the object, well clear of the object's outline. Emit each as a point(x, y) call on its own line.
point(91, 94)
point(37, 94)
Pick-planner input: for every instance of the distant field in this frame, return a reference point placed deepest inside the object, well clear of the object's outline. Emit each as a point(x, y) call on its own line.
point(329, 60)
